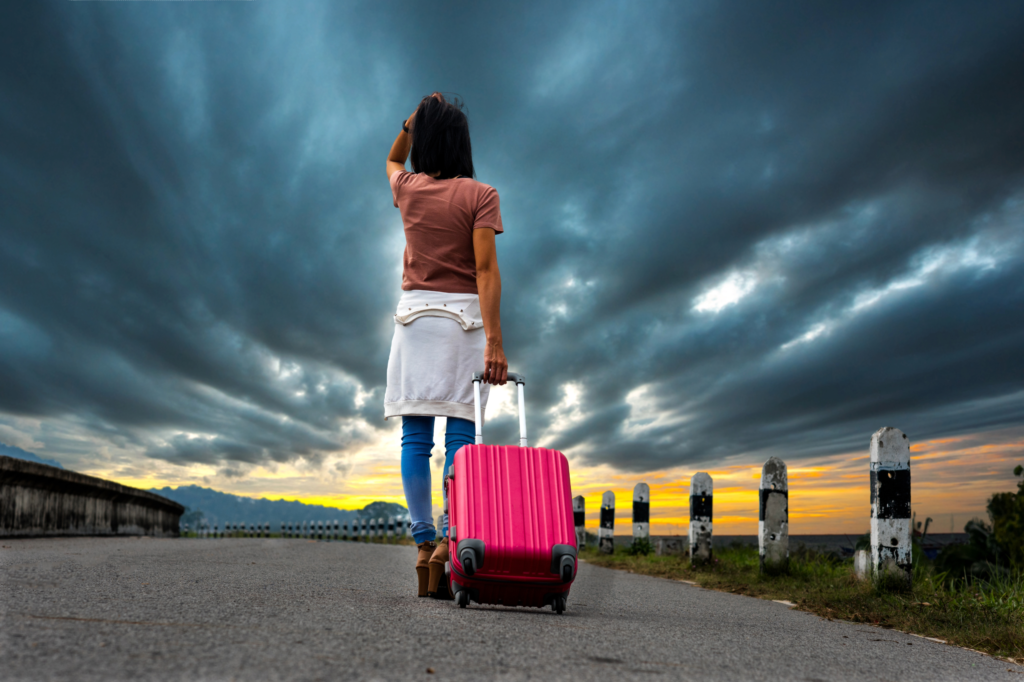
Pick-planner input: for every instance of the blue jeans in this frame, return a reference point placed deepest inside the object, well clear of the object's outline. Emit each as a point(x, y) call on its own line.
point(417, 441)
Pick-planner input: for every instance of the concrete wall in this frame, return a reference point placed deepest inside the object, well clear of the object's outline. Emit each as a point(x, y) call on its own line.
point(36, 499)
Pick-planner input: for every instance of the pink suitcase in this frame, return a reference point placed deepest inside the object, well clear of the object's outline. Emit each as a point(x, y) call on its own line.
point(513, 538)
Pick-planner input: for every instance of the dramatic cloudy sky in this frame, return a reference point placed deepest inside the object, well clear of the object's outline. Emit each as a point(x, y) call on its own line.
point(732, 231)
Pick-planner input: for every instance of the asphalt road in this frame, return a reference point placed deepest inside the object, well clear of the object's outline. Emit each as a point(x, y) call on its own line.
point(249, 609)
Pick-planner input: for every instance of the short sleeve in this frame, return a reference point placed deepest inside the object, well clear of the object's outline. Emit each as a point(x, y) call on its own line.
point(488, 211)
point(399, 179)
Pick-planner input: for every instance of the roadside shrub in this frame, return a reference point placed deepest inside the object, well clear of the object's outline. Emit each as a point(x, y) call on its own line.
point(640, 547)
point(1007, 513)
point(992, 551)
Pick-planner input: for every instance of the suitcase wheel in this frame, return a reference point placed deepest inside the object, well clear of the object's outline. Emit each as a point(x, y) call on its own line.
point(558, 605)
point(462, 599)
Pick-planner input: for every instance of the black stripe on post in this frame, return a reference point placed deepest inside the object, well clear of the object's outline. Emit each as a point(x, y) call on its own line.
point(641, 512)
point(890, 493)
point(701, 506)
point(607, 518)
point(764, 500)
point(579, 518)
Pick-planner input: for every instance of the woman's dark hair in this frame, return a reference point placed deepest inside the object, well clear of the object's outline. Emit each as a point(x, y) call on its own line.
point(440, 139)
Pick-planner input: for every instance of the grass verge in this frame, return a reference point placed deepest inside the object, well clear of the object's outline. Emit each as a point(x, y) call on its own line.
point(988, 617)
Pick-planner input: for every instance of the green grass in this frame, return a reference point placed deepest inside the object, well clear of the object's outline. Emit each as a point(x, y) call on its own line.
point(988, 617)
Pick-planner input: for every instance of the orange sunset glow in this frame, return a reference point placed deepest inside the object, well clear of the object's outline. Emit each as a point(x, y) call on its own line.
point(952, 477)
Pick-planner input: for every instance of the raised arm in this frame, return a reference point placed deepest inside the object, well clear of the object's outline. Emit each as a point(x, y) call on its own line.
point(400, 148)
point(488, 284)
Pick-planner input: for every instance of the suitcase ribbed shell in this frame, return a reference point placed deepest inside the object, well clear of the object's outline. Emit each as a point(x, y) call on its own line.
point(518, 501)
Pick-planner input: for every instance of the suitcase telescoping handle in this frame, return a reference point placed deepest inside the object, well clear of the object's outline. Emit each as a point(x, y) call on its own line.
point(520, 383)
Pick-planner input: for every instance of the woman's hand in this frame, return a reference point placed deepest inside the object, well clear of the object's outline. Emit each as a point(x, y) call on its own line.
point(495, 364)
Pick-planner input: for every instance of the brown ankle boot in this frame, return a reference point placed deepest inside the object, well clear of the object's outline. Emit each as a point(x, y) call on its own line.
point(426, 550)
point(438, 586)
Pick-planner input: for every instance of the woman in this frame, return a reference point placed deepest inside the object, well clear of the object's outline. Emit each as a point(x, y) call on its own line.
point(448, 324)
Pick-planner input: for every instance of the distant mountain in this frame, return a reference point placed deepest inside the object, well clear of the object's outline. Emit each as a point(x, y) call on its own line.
point(18, 453)
point(220, 508)
point(382, 510)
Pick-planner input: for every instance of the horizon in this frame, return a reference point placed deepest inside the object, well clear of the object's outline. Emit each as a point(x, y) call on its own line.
point(841, 506)
point(730, 234)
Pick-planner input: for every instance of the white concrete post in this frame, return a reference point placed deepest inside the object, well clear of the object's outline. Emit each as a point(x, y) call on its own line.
point(669, 547)
point(319, 530)
point(364, 528)
point(391, 527)
point(344, 532)
point(337, 529)
point(438, 524)
point(606, 531)
point(641, 512)
point(862, 564)
point(380, 527)
point(216, 530)
point(579, 517)
point(773, 517)
point(891, 556)
point(701, 513)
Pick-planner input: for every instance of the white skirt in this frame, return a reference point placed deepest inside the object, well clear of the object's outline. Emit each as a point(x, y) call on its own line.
point(433, 358)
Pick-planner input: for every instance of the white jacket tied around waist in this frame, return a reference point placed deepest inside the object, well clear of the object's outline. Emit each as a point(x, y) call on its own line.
point(438, 344)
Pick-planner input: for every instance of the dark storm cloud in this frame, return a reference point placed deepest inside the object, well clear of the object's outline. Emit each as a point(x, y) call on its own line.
point(200, 253)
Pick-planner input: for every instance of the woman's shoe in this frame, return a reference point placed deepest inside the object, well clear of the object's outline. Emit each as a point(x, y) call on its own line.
point(438, 586)
point(426, 551)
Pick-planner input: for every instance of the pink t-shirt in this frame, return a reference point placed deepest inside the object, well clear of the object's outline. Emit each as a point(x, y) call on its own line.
point(439, 218)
